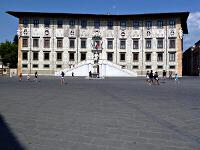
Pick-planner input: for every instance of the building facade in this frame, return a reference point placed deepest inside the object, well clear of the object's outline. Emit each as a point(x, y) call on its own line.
point(109, 45)
point(191, 60)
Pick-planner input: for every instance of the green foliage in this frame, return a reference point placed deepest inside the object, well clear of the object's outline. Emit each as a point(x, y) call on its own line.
point(8, 52)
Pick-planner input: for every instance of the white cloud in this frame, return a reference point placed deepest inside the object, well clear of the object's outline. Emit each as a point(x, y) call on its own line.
point(194, 30)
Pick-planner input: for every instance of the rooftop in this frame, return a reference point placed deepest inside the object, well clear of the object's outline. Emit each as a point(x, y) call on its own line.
point(182, 15)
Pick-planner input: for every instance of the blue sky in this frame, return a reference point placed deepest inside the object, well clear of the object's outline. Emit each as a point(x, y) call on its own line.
point(9, 24)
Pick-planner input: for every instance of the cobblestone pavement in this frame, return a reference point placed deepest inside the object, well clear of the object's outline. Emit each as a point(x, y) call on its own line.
point(109, 114)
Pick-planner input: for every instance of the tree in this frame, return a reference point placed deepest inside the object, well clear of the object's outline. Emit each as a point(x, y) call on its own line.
point(8, 52)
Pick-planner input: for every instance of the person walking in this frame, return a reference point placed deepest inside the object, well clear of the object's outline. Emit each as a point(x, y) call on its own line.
point(151, 77)
point(156, 78)
point(36, 76)
point(28, 77)
point(164, 74)
point(147, 77)
point(170, 74)
point(62, 78)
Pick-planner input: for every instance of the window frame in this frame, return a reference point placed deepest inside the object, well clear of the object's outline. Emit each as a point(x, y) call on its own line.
point(59, 56)
point(122, 46)
point(123, 27)
point(36, 23)
point(35, 55)
point(45, 56)
point(136, 25)
point(146, 56)
point(148, 45)
point(122, 54)
point(97, 24)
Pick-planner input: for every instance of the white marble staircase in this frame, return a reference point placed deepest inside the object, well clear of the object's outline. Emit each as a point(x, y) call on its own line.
point(106, 69)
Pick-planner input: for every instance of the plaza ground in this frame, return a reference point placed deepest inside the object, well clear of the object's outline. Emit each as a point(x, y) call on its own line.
point(109, 114)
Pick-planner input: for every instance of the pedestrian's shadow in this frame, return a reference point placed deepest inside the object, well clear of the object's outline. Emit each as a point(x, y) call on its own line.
point(8, 141)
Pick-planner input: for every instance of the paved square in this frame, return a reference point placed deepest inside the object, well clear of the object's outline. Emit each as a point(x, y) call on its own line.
point(110, 114)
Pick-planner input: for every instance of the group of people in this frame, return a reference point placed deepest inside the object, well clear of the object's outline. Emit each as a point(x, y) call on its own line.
point(28, 77)
point(152, 78)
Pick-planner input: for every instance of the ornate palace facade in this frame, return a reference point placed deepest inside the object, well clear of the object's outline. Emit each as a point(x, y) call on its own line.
point(107, 45)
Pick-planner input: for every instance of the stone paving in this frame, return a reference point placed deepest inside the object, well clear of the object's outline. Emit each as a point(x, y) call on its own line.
point(109, 114)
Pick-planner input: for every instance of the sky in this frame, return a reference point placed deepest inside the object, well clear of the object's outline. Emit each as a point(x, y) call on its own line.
point(8, 27)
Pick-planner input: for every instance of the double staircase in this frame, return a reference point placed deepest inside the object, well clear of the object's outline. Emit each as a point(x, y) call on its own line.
point(106, 69)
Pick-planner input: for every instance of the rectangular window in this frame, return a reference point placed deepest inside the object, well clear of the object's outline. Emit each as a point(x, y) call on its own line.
point(135, 24)
point(148, 67)
point(83, 24)
point(35, 55)
point(83, 56)
point(110, 25)
point(148, 56)
point(25, 23)
point(46, 42)
point(172, 56)
point(148, 43)
point(110, 44)
point(25, 55)
point(172, 43)
point(172, 67)
point(46, 66)
point(35, 42)
point(46, 23)
point(59, 56)
point(122, 57)
point(122, 44)
point(148, 24)
point(35, 65)
point(135, 44)
point(96, 24)
point(25, 42)
point(172, 23)
point(71, 43)
point(72, 23)
point(83, 43)
point(24, 66)
point(159, 24)
point(110, 56)
point(71, 56)
point(160, 67)
point(46, 55)
point(123, 25)
point(159, 57)
point(59, 23)
point(58, 66)
point(135, 67)
point(59, 43)
point(36, 23)
point(135, 57)
point(159, 43)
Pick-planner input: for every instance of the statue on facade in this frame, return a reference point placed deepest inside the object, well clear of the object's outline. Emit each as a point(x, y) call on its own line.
point(96, 57)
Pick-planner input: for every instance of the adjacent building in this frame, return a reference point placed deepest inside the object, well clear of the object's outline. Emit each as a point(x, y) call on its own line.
point(191, 60)
point(107, 45)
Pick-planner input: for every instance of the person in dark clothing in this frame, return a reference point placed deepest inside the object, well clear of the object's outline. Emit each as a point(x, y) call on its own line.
point(36, 76)
point(62, 78)
point(90, 74)
point(151, 77)
point(156, 78)
point(164, 74)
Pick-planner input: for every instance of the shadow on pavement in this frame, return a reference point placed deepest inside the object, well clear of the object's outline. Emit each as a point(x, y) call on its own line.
point(8, 141)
